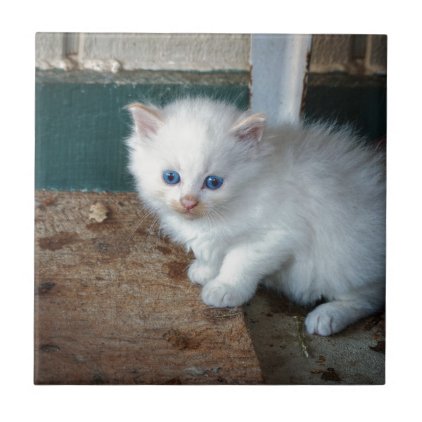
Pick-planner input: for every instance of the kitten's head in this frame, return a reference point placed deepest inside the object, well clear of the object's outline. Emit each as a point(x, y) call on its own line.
point(194, 157)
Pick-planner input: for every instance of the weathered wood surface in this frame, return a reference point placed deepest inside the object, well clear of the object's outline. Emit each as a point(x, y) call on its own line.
point(113, 304)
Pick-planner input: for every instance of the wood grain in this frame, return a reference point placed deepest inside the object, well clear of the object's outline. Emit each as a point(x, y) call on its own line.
point(113, 304)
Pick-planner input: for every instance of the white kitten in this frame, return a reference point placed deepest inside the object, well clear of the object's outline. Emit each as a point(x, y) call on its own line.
point(300, 208)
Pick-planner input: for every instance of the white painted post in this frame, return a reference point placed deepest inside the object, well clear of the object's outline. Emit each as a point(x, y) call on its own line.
point(279, 67)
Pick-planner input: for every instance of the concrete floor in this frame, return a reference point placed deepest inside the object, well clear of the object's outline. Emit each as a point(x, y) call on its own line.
point(288, 355)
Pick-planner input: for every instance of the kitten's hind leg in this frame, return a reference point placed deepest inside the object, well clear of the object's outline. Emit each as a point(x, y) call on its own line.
point(332, 317)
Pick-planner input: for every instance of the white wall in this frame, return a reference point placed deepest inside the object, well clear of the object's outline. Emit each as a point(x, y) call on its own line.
point(201, 52)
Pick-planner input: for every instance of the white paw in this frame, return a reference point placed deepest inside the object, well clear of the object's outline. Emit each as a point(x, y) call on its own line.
point(200, 273)
point(326, 319)
point(223, 295)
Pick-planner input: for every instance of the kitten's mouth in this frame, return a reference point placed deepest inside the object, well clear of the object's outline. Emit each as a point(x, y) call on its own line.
point(191, 213)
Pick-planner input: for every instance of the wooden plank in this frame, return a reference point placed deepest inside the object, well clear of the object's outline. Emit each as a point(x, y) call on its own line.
point(113, 304)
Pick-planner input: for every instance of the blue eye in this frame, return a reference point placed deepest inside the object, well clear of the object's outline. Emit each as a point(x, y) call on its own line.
point(171, 177)
point(213, 182)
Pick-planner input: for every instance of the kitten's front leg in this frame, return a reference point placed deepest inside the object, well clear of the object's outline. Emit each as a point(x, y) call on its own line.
point(200, 272)
point(207, 263)
point(242, 269)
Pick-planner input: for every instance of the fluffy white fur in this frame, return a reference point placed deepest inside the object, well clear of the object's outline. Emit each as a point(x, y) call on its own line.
point(301, 209)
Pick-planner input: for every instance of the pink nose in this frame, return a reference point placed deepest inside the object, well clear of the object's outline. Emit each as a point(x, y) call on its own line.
point(189, 202)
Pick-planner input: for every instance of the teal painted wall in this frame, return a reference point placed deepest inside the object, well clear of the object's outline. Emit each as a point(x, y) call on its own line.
point(359, 100)
point(81, 121)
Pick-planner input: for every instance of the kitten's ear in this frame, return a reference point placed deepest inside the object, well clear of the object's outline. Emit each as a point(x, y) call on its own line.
point(147, 120)
point(249, 128)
